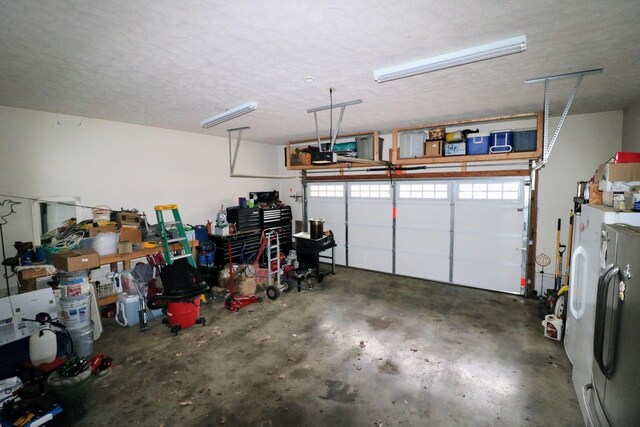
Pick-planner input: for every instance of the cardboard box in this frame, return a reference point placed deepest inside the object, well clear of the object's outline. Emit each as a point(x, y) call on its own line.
point(609, 174)
point(300, 159)
point(130, 234)
point(93, 231)
point(433, 149)
point(76, 260)
point(128, 218)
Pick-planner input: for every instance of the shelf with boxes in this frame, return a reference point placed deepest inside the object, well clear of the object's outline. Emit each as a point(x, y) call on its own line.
point(511, 137)
point(363, 149)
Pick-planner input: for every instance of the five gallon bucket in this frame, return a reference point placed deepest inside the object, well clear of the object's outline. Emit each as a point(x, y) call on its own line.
point(76, 311)
point(74, 394)
point(74, 284)
point(82, 340)
point(317, 228)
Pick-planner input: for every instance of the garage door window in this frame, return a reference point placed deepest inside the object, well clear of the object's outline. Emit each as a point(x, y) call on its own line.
point(370, 191)
point(424, 191)
point(326, 190)
point(489, 191)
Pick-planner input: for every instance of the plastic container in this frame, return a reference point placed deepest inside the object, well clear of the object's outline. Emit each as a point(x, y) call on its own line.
point(525, 140)
point(501, 141)
point(411, 144)
point(184, 314)
point(82, 340)
point(455, 148)
point(43, 347)
point(72, 283)
point(76, 311)
point(103, 243)
point(478, 144)
point(74, 394)
point(127, 310)
point(552, 327)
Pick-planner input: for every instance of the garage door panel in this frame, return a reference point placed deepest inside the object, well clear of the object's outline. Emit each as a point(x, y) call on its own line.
point(370, 226)
point(501, 247)
point(332, 210)
point(488, 219)
point(499, 277)
point(417, 264)
point(427, 241)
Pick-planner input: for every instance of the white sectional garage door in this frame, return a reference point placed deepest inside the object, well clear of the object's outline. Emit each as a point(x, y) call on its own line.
point(370, 220)
point(327, 201)
point(466, 232)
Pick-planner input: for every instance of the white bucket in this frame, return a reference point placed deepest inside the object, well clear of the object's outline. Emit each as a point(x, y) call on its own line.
point(82, 340)
point(43, 346)
point(552, 327)
point(74, 284)
point(76, 311)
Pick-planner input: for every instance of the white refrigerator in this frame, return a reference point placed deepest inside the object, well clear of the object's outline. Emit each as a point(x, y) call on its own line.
point(586, 265)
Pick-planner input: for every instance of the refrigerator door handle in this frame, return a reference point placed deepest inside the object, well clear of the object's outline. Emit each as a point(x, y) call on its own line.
point(599, 331)
point(577, 286)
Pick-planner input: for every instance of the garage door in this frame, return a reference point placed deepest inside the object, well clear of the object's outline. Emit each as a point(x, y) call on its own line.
point(370, 221)
point(423, 229)
point(466, 232)
point(327, 201)
point(489, 250)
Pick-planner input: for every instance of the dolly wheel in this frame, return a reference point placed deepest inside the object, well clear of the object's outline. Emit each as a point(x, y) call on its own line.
point(273, 292)
point(202, 321)
point(320, 278)
point(175, 329)
point(287, 285)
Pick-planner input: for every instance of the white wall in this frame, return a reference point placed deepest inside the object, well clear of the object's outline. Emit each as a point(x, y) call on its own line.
point(631, 129)
point(120, 165)
point(584, 142)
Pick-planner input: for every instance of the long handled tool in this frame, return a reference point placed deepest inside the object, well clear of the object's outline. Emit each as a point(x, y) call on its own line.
point(569, 248)
point(560, 248)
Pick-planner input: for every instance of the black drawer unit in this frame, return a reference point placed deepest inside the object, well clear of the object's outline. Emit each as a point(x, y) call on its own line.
point(275, 216)
point(246, 219)
point(244, 247)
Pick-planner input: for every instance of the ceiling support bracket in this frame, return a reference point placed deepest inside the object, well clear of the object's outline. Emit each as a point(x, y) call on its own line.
point(233, 157)
point(343, 106)
point(548, 145)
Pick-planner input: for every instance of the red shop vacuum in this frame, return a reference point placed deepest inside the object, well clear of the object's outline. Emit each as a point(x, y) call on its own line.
point(183, 287)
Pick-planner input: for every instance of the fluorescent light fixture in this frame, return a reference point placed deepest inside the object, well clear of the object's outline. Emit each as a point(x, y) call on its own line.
point(232, 113)
point(453, 59)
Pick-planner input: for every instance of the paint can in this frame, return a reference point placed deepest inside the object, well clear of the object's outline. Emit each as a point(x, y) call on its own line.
point(76, 311)
point(75, 283)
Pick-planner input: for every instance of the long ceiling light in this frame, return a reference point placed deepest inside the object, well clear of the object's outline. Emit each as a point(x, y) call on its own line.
point(232, 113)
point(453, 59)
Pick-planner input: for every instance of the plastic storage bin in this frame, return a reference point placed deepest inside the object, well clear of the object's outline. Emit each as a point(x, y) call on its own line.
point(411, 144)
point(501, 141)
point(525, 140)
point(455, 148)
point(478, 144)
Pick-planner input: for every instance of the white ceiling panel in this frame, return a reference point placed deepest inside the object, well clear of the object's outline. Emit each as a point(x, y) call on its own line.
point(170, 63)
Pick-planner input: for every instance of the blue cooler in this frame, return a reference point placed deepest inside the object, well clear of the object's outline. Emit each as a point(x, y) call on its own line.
point(501, 141)
point(477, 144)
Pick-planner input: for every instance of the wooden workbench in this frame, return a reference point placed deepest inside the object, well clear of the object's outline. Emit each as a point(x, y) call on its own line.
point(126, 259)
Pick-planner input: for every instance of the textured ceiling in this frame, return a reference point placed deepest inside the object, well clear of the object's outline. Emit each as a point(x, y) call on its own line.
point(170, 63)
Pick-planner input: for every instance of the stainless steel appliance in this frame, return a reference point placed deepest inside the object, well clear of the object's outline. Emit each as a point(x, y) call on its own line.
point(586, 265)
point(612, 397)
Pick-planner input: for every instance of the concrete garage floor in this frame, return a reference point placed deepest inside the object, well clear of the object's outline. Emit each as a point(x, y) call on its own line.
point(362, 349)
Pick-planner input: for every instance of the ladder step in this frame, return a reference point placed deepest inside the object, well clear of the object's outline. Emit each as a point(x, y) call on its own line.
point(170, 223)
point(180, 256)
point(165, 207)
point(177, 239)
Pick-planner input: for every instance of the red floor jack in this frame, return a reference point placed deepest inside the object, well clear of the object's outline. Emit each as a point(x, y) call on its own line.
point(236, 302)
